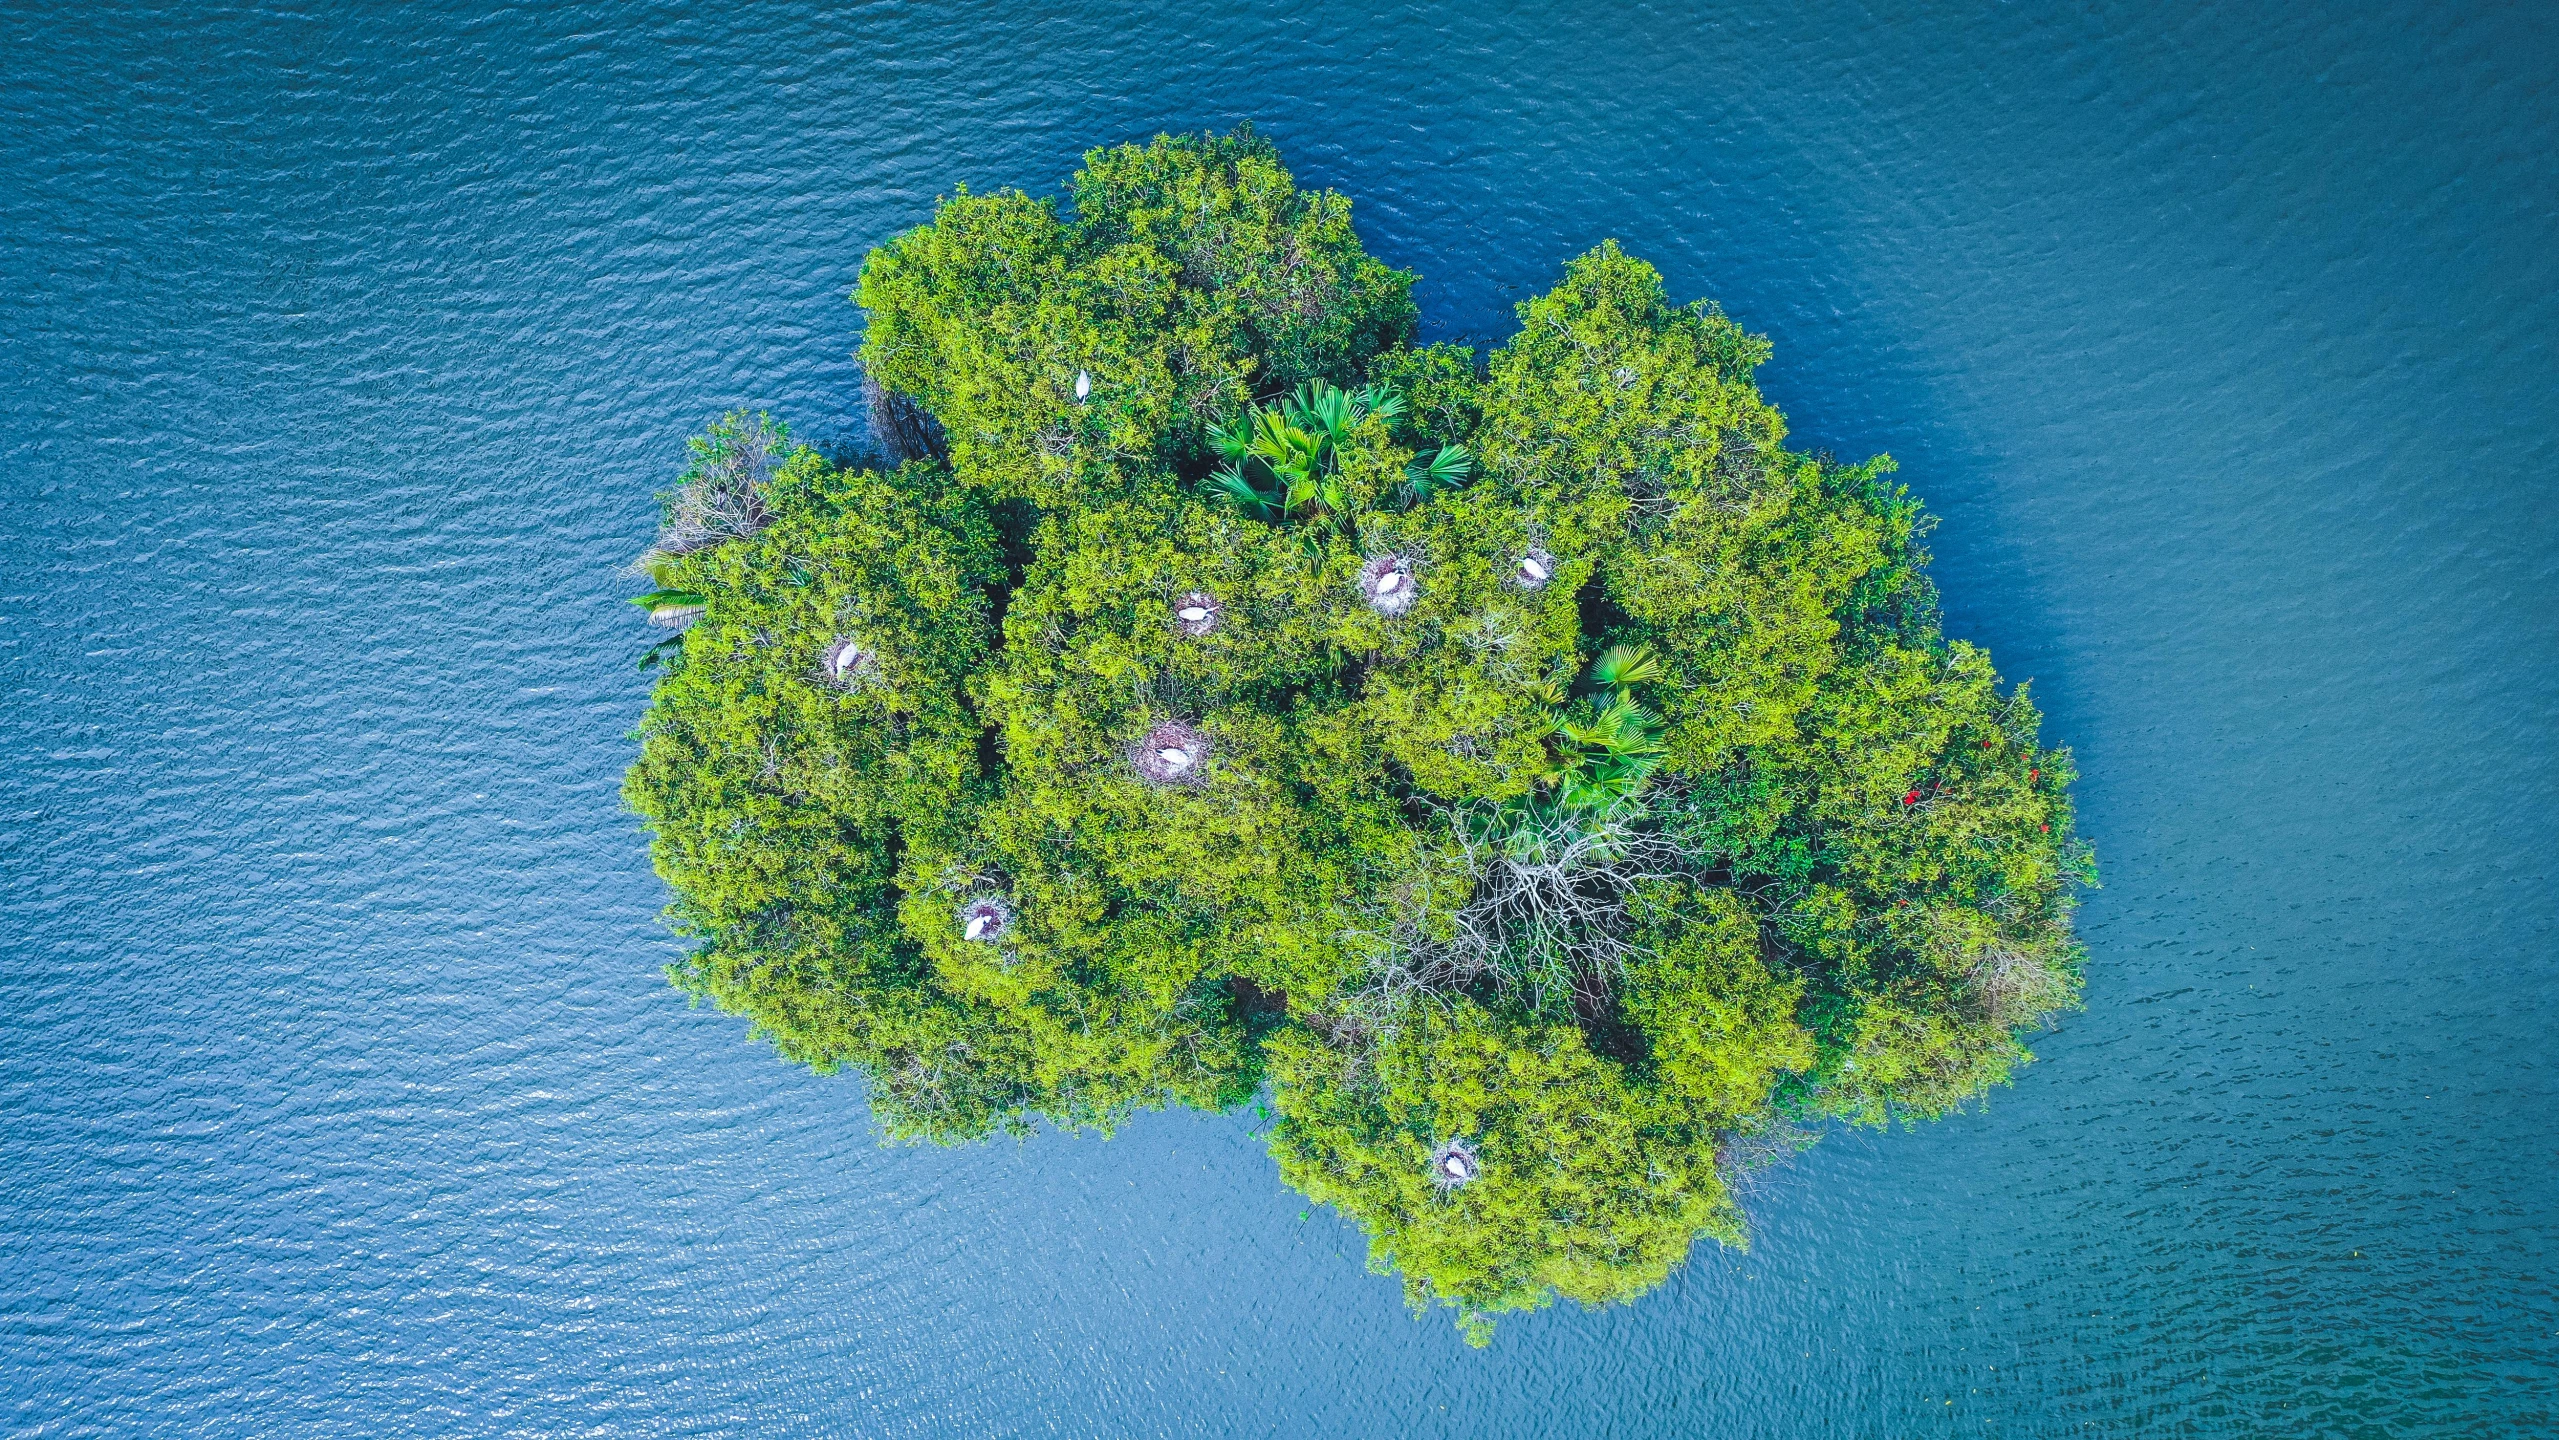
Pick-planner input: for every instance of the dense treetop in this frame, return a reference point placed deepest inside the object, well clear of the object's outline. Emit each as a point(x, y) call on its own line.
point(1551, 791)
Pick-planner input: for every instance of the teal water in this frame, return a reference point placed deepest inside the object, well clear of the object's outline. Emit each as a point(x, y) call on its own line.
point(339, 1091)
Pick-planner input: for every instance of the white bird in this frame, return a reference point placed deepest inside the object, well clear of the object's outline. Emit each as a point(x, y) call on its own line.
point(1531, 569)
point(1174, 758)
point(1193, 612)
point(1083, 384)
point(1390, 582)
point(978, 924)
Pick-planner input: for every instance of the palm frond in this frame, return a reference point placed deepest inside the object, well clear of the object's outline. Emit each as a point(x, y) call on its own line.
point(1624, 665)
point(1292, 443)
point(1601, 754)
point(1319, 406)
point(1380, 401)
point(657, 598)
point(1227, 483)
point(1450, 467)
point(1627, 728)
point(1234, 439)
point(1290, 450)
point(1302, 490)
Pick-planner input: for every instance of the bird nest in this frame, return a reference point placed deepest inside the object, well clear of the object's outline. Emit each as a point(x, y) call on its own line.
point(1172, 754)
point(1535, 570)
point(986, 919)
point(721, 497)
point(848, 664)
point(1388, 585)
point(1197, 613)
point(1454, 1163)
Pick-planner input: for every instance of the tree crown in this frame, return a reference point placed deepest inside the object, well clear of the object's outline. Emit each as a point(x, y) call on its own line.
point(1551, 790)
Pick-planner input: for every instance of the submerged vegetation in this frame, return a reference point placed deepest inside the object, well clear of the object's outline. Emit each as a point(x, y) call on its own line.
point(1554, 793)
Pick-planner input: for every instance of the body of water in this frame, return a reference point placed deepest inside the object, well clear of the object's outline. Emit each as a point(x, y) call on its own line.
point(340, 1093)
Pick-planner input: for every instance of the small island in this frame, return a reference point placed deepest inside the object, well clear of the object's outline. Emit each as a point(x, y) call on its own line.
point(1547, 793)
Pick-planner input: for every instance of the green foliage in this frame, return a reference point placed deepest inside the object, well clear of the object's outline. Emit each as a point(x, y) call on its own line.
point(1594, 1182)
point(1286, 459)
point(1541, 781)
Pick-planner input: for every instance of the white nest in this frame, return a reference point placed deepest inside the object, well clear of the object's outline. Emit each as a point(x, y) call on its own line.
point(986, 919)
point(848, 662)
point(1453, 1163)
point(1387, 583)
point(1171, 754)
point(1197, 613)
point(1534, 570)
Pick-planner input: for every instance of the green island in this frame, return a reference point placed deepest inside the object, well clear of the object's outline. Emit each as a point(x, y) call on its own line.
point(1543, 792)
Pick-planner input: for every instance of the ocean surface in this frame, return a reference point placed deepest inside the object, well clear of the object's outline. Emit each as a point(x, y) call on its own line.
point(345, 346)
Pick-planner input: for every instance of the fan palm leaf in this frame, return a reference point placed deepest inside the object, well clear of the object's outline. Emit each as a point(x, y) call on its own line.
point(1228, 483)
point(1624, 665)
point(1448, 468)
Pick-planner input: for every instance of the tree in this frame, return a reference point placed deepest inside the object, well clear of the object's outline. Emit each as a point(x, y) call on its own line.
point(1551, 788)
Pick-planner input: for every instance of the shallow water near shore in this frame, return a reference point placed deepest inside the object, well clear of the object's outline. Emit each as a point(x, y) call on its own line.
point(342, 1093)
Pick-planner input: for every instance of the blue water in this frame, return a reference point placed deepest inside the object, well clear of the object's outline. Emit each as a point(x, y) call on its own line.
point(340, 1093)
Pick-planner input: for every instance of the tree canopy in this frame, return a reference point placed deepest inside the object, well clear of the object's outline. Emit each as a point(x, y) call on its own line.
point(1550, 791)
